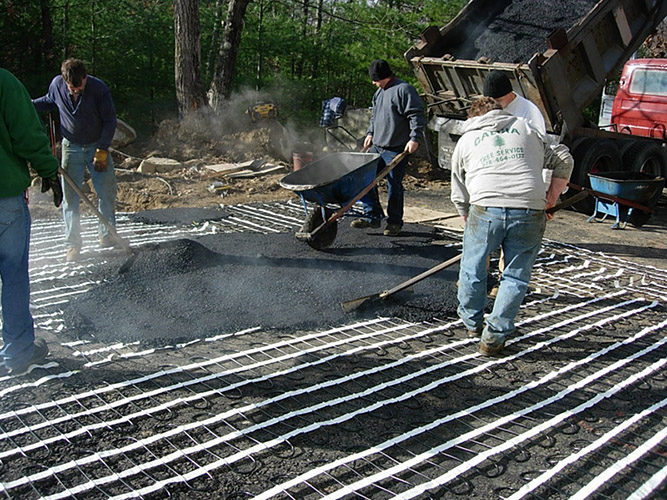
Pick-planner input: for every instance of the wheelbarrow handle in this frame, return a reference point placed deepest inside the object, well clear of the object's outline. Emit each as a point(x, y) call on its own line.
point(383, 173)
point(610, 197)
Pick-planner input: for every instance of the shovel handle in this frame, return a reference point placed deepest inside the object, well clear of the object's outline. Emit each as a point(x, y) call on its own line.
point(82, 195)
point(419, 277)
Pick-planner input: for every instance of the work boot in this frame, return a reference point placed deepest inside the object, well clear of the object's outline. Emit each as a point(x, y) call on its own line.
point(392, 230)
point(488, 350)
point(475, 334)
point(73, 254)
point(41, 351)
point(109, 241)
point(365, 224)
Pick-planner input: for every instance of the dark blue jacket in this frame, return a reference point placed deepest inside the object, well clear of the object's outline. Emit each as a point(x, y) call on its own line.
point(398, 116)
point(92, 119)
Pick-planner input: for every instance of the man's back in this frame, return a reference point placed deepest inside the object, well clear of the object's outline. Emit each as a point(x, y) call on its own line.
point(498, 163)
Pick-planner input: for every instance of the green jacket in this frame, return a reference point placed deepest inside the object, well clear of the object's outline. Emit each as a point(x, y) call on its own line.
point(22, 139)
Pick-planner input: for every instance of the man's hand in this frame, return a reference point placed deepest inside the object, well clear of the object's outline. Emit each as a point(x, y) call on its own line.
point(54, 185)
point(100, 160)
point(368, 142)
point(411, 146)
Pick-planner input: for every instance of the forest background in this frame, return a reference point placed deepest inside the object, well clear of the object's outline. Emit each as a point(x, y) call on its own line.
point(165, 58)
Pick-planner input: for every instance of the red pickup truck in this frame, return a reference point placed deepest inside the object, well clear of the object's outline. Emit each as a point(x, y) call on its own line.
point(640, 105)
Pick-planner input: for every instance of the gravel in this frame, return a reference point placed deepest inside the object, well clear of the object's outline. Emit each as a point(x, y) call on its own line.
point(518, 31)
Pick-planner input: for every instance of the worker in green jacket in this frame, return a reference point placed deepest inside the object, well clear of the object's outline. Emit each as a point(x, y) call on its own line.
point(22, 142)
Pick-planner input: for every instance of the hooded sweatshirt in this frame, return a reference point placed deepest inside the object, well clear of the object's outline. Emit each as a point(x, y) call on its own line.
point(498, 162)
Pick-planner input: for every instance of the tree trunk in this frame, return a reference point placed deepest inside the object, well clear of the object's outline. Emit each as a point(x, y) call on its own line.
point(65, 30)
point(187, 57)
point(47, 33)
point(260, 51)
point(304, 34)
point(210, 60)
point(225, 64)
point(318, 32)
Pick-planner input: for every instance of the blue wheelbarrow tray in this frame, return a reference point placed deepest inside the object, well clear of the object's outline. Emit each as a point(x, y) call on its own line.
point(336, 178)
point(339, 178)
point(641, 190)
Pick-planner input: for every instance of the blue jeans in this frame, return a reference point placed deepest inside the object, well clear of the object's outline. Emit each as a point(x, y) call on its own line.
point(371, 201)
point(519, 232)
point(18, 333)
point(75, 159)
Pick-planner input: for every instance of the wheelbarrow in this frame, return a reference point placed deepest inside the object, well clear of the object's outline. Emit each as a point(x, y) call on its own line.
point(339, 178)
point(627, 196)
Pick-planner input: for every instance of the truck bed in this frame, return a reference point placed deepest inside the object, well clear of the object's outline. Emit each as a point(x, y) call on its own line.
point(509, 30)
point(551, 54)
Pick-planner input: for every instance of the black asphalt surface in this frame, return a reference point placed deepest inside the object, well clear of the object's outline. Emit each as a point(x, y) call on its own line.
point(183, 215)
point(223, 283)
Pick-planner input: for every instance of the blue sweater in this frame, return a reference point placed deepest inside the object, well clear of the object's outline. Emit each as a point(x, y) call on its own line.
point(92, 119)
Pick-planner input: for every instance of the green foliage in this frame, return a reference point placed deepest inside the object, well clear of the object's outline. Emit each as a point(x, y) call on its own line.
point(130, 45)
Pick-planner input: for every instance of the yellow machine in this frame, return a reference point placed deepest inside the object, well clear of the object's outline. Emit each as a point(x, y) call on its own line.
point(262, 110)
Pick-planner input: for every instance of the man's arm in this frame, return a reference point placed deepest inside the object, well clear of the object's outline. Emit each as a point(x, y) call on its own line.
point(107, 112)
point(47, 102)
point(414, 112)
point(29, 141)
point(558, 159)
point(459, 194)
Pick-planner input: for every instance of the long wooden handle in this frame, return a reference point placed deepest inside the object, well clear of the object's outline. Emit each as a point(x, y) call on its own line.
point(82, 195)
point(419, 277)
point(610, 197)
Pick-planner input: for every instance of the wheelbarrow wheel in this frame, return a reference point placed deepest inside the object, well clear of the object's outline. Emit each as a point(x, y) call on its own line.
point(638, 218)
point(325, 237)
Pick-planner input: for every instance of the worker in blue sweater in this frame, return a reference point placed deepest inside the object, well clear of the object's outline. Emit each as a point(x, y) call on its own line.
point(87, 124)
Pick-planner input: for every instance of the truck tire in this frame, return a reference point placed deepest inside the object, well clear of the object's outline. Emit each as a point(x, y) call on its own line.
point(592, 156)
point(623, 146)
point(645, 157)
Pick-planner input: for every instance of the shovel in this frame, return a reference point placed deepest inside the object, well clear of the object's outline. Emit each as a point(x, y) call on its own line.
point(353, 304)
point(112, 230)
point(253, 166)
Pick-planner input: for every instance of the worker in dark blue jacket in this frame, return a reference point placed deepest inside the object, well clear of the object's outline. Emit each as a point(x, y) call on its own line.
point(396, 125)
point(87, 124)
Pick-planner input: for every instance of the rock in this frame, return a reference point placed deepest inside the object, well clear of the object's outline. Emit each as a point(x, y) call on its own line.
point(124, 135)
point(193, 163)
point(158, 165)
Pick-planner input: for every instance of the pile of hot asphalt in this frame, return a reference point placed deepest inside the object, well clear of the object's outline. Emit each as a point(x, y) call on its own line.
point(518, 29)
point(190, 289)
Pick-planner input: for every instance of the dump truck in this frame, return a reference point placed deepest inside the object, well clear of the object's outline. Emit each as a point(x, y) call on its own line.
point(557, 54)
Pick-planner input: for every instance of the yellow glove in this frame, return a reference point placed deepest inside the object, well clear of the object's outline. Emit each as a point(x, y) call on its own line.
point(100, 160)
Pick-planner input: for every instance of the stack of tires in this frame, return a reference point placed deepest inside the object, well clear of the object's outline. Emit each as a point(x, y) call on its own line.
point(594, 155)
